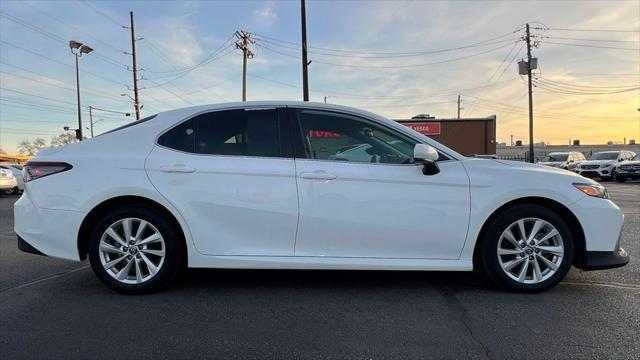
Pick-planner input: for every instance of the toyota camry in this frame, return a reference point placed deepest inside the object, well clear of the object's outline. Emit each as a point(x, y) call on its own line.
point(298, 185)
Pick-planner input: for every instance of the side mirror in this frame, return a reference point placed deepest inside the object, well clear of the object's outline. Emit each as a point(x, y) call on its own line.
point(427, 156)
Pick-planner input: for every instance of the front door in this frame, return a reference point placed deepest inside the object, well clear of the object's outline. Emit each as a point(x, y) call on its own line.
point(361, 195)
point(231, 175)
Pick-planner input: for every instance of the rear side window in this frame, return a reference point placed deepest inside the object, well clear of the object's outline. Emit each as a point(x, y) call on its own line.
point(232, 132)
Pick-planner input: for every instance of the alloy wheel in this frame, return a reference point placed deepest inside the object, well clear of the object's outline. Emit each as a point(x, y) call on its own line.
point(530, 250)
point(132, 250)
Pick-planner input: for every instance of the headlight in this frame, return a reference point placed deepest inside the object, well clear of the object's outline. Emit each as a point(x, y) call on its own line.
point(604, 166)
point(595, 190)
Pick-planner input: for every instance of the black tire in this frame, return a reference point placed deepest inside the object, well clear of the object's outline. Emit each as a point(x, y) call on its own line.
point(489, 246)
point(13, 191)
point(174, 249)
point(621, 179)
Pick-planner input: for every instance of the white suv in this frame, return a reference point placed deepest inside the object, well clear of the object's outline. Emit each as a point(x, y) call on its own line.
point(602, 164)
point(8, 181)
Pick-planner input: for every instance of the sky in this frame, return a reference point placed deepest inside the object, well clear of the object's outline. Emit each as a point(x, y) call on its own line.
point(394, 58)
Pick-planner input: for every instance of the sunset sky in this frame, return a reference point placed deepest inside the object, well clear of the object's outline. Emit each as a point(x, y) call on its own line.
point(394, 58)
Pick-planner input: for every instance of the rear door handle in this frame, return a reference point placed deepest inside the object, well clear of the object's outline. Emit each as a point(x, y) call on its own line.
point(177, 168)
point(317, 175)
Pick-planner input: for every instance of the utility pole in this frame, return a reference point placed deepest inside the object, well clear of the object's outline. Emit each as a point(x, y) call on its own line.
point(531, 154)
point(244, 40)
point(458, 106)
point(91, 109)
point(91, 119)
point(305, 63)
point(136, 101)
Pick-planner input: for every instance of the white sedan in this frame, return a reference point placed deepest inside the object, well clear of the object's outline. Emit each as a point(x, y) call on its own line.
point(258, 185)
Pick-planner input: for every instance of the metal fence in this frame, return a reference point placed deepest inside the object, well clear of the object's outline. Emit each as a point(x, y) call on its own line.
point(516, 157)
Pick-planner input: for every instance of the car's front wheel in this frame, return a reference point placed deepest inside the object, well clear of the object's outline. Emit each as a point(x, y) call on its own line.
point(134, 249)
point(13, 191)
point(527, 248)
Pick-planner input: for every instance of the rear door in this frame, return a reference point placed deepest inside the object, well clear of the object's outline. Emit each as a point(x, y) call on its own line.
point(231, 175)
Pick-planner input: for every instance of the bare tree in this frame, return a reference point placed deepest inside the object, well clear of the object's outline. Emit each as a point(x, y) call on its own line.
point(28, 147)
point(63, 139)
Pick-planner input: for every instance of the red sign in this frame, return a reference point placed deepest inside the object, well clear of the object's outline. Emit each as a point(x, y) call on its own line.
point(323, 134)
point(423, 127)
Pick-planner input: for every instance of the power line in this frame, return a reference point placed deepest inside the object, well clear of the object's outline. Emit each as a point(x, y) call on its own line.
point(590, 30)
point(498, 69)
point(59, 62)
point(172, 92)
point(99, 12)
point(380, 56)
point(351, 65)
point(71, 88)
point(563, 84)
point(589, 39)
point(390, 52)
point(73, 26)
point(563, 90)
point(592, 46)
point(225, 45)
point(56, 37)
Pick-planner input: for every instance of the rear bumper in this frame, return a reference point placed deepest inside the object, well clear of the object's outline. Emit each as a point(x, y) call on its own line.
point(47, 231)
point(599, 260)
point(26, 247)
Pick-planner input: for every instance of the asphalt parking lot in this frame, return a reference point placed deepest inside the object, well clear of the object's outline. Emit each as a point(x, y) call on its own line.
point(56, 309)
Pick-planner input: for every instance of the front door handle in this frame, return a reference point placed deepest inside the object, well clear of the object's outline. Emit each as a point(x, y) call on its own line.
point(177, 168)
point(317, 175)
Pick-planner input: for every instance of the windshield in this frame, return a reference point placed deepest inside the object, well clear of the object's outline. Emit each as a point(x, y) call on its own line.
point(636, 158)
point(604, 156)
point(555, 157)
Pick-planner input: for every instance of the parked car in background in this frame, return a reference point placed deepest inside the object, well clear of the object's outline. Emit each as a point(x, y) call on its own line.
point(17, 172)
point(8, 181)
point(563, 160)
point(267, 185)
point(629, 170)
point(601, 164)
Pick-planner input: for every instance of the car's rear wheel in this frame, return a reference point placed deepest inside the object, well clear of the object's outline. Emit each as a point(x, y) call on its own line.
point(134, 249)
point(527, 248)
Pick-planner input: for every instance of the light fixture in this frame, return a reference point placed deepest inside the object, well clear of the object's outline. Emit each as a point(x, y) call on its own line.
point(74, 44)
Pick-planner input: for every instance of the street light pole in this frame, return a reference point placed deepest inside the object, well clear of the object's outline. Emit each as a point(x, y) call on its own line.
point(79, 134)
point(79, 50)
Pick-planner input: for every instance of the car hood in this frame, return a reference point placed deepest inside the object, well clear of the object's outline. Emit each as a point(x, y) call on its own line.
point(598, 162)
point(527, 167)
point(636, 163)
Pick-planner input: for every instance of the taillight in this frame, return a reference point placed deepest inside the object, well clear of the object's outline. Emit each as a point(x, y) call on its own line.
point(37, 169)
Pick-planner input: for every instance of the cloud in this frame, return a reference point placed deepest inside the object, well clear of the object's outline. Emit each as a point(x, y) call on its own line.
point(265, 15)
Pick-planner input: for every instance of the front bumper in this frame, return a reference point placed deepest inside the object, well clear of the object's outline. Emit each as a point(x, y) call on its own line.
point(628, 174)
point(599, 260)
point(595, 173)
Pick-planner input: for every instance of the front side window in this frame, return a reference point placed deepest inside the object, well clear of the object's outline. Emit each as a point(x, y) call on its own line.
point(341, 137)
point(232, 132)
